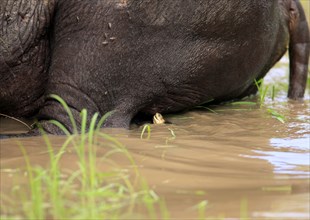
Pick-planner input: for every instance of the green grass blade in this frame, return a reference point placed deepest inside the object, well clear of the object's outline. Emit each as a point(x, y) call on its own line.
point(61, 126)
point(103, 119)
point(67, 109)
point(148, 128)
point(92, 129)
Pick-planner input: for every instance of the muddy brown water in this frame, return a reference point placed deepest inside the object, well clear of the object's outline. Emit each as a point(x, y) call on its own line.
point(237, 158)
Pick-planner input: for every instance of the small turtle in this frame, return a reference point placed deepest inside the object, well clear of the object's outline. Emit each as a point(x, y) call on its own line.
point(158, 119)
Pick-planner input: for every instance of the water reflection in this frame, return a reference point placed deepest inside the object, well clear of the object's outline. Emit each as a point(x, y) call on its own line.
point(288, 163)
point(302, 144)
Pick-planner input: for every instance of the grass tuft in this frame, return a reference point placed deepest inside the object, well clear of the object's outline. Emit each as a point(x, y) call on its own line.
point(87, 192)
point(262, 91)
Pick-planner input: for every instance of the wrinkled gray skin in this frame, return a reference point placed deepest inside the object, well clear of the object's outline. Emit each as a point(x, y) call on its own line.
point(142, 56)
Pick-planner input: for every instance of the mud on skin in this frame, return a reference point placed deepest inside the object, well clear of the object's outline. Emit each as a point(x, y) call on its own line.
point(142, 56)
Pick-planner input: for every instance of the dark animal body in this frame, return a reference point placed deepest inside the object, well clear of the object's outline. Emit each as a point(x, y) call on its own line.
point(142, 56)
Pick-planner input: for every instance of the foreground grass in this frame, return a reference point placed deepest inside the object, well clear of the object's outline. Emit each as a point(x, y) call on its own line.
point(89, 192)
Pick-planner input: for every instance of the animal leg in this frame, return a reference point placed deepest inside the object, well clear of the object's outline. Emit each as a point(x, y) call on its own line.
point(299, 48)
point(120, 118)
